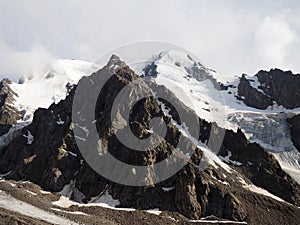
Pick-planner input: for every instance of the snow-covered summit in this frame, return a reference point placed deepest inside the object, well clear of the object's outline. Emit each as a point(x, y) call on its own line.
point(189, 80)
point(41, 90)
point(190, 64)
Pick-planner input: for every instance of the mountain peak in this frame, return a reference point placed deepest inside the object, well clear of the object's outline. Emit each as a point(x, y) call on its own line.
point(256, 168)
point(114, 63)
point(114, 58)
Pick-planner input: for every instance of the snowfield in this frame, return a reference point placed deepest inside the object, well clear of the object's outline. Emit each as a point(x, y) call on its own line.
point(41, 90)
point(10, 203)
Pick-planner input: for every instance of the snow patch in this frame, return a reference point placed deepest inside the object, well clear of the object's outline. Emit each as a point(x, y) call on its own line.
point(262, 191)
point(59, 121)
point(105, 200)
point(45, 192)
point(167, 189)
point(258, 190)
point(64, 202)
point(255, 84)
point(216, 221)
point(70, 212)
point(154, 211)
point(223, 182)
point(29, 137)
point(10, 203)
point(30, 192)
point(228, 160)
point(13, 132)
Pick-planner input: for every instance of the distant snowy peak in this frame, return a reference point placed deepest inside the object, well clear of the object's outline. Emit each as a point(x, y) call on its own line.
point(41, 90)
point(189, 65)
point(180, 61)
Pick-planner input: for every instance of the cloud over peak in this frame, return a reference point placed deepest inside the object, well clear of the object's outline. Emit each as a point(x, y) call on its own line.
point(232, 37)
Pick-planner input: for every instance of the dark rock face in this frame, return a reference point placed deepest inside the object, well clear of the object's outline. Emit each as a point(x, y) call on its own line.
point(185, 193)
point(275, 85)
point(295, 130)
point(260, 167)
point(150, 70)
point(220, 203)
point(4, 128)
point(8, 113)
point(51, 159)
point(283, 87)
point(252, 97)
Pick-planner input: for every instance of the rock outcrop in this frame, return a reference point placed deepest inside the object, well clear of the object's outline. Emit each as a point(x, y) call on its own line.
point(295, 130)
point(251, 96)
point(273, 86)
point(8, 112)
point(282, 86)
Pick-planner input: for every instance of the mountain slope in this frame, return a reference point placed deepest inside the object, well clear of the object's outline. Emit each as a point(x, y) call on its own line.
point(237, 102)
point(243, 187)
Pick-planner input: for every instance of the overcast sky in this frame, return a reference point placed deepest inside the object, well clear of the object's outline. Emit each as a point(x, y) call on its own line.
point(232, 37)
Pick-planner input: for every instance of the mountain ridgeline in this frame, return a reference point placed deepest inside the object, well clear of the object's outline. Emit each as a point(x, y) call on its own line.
point(245, 181)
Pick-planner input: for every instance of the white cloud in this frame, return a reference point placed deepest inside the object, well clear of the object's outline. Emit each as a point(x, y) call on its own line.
point(273, 40)
point(231, 37)
point(18, 63)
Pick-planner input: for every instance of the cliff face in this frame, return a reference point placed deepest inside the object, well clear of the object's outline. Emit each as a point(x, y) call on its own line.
point(283, 87)
point(295, 130)
point(251, 96)
point(8, 113)
point(275, 85)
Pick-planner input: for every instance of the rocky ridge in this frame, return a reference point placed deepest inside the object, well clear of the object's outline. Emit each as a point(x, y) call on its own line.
point(275, 86)
point(45, 152)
